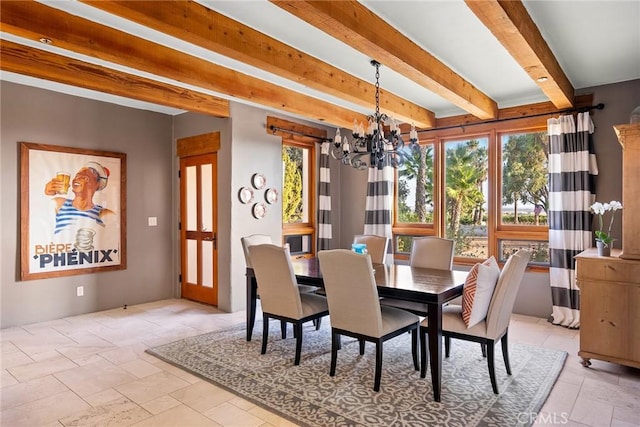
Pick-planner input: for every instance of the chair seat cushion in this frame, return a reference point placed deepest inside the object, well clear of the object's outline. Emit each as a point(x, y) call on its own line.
point(478, 290)
point(313, 304)
point(394, 319)
point(452, 322)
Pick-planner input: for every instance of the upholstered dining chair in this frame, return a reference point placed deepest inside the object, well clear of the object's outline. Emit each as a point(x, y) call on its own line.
point(376, 246)
point(426, 252)
point(279, 294)
point(355, 309)
point(261, 239)
point(432, 252)
point(494, 327)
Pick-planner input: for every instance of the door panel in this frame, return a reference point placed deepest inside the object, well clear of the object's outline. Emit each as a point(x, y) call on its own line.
point(198, 228)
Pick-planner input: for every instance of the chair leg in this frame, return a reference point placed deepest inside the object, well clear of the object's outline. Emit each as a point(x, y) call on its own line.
point(483, 347)
point(361, 343)
point(414, 348)
point(376, 382)
point(265, 333)
point(447, 346)
point(297, 327)
point(318, 323)
point(505, 352)
point(492, 370)
point(283, 329)
point(335, 344)
point(423, 352)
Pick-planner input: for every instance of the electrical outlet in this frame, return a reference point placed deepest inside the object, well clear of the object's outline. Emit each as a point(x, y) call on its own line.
point(80, 291)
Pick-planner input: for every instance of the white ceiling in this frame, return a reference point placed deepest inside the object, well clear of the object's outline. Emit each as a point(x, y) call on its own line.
point(595, 43)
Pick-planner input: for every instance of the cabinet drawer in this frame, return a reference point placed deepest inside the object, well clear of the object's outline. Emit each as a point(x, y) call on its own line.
point(609, 270)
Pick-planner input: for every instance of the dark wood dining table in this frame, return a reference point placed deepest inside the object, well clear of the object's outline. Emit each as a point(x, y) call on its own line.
point(423, 285)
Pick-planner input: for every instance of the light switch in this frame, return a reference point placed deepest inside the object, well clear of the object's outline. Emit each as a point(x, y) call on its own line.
point(153, 221)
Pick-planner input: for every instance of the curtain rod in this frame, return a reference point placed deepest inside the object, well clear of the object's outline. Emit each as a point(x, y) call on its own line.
point(566, 110)
point(600, 106)
point(275, 129)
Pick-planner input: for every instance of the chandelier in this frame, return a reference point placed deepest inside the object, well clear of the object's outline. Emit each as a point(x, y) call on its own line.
point(369, 147)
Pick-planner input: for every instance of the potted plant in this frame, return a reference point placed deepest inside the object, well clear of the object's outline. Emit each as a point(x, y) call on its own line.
point(603, 239)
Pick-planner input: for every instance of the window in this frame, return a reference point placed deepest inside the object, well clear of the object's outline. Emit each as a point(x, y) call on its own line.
point(524, 193)
point(298, 197)
point(466, 196)
point(415, 194)
point(488, 191)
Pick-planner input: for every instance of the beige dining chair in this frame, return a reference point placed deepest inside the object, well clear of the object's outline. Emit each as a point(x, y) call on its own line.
point(426, 252)
point(279, 294)
point(355, 309)
point(432, 252)
point(261, 239)
point(377, 246)
point(494, 327)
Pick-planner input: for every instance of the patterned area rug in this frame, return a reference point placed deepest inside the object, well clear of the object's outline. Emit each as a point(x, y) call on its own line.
point(308, 396)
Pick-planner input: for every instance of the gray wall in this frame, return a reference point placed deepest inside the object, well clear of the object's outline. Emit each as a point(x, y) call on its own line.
point(45, 117)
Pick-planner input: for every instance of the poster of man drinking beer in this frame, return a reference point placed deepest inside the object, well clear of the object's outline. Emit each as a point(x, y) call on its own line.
point(72, 211)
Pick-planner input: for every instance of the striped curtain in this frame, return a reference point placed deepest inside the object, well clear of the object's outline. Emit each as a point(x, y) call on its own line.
point(572, 167)
point(324, 199)
point(377, 219)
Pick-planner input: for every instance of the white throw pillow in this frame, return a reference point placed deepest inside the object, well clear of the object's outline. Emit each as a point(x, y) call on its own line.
point(478, 290)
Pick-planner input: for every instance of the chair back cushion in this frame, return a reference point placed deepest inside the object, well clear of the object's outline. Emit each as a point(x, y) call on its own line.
point(432, 252)
point(351, 291)
point(376, 246)
point(504, 296)
point(254, 239)
point(279, 293)
point(478, 290)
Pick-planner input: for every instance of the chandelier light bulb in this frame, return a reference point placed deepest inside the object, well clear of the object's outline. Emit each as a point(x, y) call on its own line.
point(413, 134)
point(338, 138)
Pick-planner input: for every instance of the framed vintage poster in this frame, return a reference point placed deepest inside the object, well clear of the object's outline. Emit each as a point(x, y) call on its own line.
point(73, 211)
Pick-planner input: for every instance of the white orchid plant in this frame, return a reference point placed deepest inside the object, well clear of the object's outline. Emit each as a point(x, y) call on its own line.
point(601, 209)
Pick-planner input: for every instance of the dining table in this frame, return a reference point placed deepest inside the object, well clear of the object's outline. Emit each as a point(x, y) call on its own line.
point(400, 281)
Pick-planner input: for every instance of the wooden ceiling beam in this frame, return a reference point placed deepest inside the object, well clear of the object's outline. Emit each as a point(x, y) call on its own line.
point(211, 30)
point(38, 63)
point(33, 20)
point(512, 25)
point(355, 25)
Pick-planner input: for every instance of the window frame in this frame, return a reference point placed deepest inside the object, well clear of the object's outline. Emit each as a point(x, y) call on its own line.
point(496, 231)
point(307, 228)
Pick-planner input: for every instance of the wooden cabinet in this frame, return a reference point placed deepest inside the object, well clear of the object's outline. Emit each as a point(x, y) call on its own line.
point(629, 138)
point(609, 308)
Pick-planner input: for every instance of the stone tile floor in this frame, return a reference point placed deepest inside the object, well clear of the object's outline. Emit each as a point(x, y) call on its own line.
point(91, 370)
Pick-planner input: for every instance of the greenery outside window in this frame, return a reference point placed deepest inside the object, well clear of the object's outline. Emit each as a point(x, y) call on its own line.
point(466, 196)
point(524, 195)
point(298, 197)
point(415, 187)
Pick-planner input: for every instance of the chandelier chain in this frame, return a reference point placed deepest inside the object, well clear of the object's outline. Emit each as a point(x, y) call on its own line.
point(377, 119)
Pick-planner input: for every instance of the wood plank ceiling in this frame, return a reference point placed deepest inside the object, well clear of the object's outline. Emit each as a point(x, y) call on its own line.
point(349, 21)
